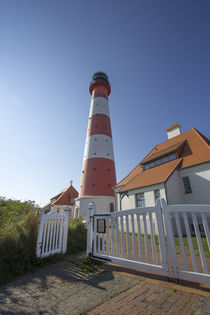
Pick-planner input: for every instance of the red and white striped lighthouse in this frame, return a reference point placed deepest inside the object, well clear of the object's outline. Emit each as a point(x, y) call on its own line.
point(98, 170)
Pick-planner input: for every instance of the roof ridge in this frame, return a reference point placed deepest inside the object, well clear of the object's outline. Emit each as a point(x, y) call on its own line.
point(174, 168)
point(201, 136)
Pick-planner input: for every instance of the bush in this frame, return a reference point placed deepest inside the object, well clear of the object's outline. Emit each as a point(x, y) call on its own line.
point(77, 236)
point(18, 235)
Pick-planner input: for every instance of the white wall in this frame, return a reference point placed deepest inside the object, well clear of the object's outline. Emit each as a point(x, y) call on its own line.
point(199, 177)
point(60, 208)
point(174, 189)
point(102, 204)
point(129, 202)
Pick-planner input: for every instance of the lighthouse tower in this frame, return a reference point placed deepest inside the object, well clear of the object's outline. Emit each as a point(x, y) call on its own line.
point(98, 171)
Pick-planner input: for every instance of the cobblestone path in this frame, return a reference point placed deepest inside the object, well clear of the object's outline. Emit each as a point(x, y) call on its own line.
point(64, 289)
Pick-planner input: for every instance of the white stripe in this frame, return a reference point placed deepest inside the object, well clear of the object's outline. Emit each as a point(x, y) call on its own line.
point(99, 146)
point(99, 105)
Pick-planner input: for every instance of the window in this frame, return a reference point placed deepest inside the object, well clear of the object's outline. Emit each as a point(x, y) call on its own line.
point(111, 207)
point(160, 161)
point(140, 202)
point(157, 194)
point(187, 186)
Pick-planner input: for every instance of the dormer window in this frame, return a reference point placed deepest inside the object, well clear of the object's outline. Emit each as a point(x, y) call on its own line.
point(160, 161)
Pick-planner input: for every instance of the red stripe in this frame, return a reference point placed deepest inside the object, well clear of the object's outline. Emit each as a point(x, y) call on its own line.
point(98, 177)
point(99, 124)
point(100, 90)
point(100, 87)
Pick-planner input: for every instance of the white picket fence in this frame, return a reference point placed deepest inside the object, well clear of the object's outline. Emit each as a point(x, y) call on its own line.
point(144, 239)
point(53, 233)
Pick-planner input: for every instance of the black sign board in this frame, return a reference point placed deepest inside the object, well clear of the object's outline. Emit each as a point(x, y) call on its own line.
point(101, 226)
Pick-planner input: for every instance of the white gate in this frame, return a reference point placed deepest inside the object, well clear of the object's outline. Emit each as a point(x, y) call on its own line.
point(53, 233)
point(112, 237)
point(142, 238)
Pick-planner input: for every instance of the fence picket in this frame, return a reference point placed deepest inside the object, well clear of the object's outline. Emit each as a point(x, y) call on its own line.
point(154, 254)
point(146, 239)
point(112, 236)
point(99, 243)
point(54, 233)
point(200, 245)
point(127, 237)
point(122, 236)
point(94, 236)
point(194, 263)
point(107, 236)
point(133, 236)
point(117, 237)
point(44, 237)
point(181, 241)
point(51, 234)
point(103, 245)
point(139, 238)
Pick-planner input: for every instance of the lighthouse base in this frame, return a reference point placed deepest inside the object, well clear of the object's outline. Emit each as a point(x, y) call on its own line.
point(103, 204)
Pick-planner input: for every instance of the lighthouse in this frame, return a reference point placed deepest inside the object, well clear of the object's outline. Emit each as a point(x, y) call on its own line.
point(98, 171)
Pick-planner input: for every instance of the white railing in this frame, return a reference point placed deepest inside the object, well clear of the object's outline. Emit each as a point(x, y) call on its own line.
point(141, 237)
point(53, 233)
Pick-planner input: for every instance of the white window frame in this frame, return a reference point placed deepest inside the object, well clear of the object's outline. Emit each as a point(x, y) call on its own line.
point(140, 200)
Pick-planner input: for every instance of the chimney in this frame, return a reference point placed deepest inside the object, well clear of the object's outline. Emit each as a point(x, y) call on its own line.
point(173, 131)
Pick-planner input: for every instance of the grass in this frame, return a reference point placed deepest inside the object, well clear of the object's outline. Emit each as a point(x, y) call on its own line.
point(90, 265)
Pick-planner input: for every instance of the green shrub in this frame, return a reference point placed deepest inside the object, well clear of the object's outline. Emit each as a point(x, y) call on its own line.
point(77, 236)
point(18, 235)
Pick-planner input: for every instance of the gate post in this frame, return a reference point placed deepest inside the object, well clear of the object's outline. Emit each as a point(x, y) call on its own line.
point(39, 236)
point(66, 213)
point(91, 212)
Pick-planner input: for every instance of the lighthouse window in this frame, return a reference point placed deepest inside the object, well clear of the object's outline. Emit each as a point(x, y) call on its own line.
point(107, 154)
point(95, 139)
point(94, 153)
point(94, 168)
point(93, 184)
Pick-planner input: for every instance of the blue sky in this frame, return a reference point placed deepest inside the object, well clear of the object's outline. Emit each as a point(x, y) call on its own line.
point(155, 52)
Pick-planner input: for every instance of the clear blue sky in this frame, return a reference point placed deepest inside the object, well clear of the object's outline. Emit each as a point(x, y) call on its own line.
point(155, 52)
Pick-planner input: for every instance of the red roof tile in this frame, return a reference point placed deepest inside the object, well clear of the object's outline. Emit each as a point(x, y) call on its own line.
point(66, 196)
point(152, 176)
